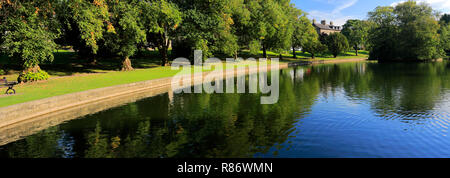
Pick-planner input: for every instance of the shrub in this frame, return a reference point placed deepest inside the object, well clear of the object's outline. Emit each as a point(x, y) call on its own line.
point(314, 47)
point(31, 77)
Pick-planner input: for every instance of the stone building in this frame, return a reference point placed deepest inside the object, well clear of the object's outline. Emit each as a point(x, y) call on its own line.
point(324, 28)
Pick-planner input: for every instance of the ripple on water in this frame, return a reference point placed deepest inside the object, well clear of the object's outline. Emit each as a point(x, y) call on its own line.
point(339, 127)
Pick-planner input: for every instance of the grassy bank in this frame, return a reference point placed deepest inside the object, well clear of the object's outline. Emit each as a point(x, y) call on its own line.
point(70, 74)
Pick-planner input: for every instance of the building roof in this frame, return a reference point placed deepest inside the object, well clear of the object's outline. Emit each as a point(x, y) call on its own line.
point(327, 27)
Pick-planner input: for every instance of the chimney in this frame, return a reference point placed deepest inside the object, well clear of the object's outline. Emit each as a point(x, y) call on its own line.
point(331, 23)
point(323, 22)
point(314, 21)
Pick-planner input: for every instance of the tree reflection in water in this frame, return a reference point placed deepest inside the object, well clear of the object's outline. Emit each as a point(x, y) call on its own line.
point(236, 125)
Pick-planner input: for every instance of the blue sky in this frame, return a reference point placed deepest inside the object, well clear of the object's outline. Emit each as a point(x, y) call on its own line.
point(339, 11)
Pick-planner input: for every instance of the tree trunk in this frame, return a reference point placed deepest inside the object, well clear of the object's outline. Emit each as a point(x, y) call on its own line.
point(33, 69)
point(356, 49)
point(293, 52)
point(164, 49)
point(126, 64)
point(313, 56)
point(164, 57)
point(281, 57)
point(264, 51)
point(93, 60)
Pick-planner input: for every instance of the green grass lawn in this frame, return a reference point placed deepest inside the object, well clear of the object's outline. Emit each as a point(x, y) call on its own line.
point(288, 57)
point(64, 85)
point(71, 74)
point(346, 55)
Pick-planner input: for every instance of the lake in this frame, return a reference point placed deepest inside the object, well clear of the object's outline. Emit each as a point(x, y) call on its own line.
point(347, 110)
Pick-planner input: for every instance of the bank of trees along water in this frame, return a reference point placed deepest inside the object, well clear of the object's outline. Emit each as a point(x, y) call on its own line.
point(32, 30)
point(356, 32)
point(98, 29)
point(408, 31)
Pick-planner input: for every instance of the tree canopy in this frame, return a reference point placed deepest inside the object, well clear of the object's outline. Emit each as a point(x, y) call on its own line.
point(160, 19)
point(337, 43)
point(356, 32)
point(83, 24)
point(408, 31)
point(304, 32)
point(29, 29)
point(445, 19)
point(124, 31)
point(445, 37)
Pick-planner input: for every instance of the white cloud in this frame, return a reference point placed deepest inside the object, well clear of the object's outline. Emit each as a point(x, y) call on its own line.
point(343, 6)
point(440, 5)
point(335, 15)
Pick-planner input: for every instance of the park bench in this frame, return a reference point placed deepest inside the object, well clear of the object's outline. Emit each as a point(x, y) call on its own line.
point(10, 86)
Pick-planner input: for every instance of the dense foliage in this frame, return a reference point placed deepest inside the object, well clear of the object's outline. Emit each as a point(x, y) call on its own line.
point(356, 32)
point(33, 76)
point(126, 31)
point(445, 37)
point(30, 31)
point(304, 34)
point(314, 47)
point(445, 19)
point(160, 25)
point(82, 24)
point(408, 31)
point(444, 32)
point(337, 43)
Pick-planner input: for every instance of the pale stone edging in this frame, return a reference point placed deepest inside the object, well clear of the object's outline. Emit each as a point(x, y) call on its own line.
point(17, 131)
point(20, 112)
point(338, 61)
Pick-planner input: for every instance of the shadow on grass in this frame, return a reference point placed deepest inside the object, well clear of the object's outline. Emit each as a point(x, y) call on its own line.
point(288, 57)
point(68, 63)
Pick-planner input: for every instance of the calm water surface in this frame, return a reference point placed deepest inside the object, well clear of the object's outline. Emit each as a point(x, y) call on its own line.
point(336, 110)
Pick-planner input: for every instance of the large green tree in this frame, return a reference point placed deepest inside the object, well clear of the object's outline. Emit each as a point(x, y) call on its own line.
point(444, 32)
point(124, 31)
point(356, 32)
point(302, 29)
point(382, 45)
point(337, 43)
point(445, 19)
point(161, 18)
point(314, 47)
point(29, 29)
point(83, 24)
point(241, 20)
point(270, 24)
point(208, 26)
point(414, 28)
point(418, 27)
point(305, 35)
point(445, 37)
